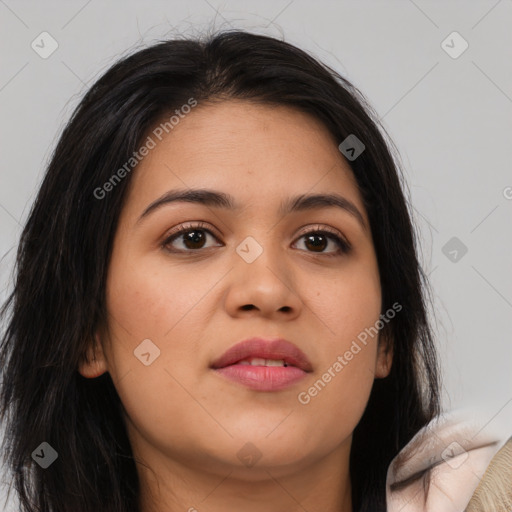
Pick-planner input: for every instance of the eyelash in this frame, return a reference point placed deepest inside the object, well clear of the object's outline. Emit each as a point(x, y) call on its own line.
point(343, 245)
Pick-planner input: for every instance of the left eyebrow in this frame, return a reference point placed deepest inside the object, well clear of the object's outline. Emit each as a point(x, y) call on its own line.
point(312, 201)
point(217, 199)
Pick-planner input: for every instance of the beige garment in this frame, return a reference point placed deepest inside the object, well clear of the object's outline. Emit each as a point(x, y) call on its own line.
point(442, 466)
point(494, 492)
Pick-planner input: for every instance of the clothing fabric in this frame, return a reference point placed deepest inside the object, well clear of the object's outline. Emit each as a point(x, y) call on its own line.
point(440, 469)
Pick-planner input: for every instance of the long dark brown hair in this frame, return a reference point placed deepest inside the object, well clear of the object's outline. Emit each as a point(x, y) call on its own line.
point(58, 299)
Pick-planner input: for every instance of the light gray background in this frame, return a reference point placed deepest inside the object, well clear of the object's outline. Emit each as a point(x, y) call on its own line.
point(450, 118)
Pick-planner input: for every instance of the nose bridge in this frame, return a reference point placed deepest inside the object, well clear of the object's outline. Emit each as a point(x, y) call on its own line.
point(263, 278)
point(261, 253)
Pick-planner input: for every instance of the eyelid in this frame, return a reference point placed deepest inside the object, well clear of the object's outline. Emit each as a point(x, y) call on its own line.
point(322, 228)
point(193, 224)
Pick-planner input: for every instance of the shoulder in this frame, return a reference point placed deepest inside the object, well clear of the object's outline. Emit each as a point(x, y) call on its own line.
point(444, 463)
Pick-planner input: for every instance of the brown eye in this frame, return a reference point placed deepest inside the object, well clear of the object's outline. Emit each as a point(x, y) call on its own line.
point(194, 239)
point(188, 239)
point(318, 241)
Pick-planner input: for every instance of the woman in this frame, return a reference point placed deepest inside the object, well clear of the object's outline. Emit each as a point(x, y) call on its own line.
point(218, 302)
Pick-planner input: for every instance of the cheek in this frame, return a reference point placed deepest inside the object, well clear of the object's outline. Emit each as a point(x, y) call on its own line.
point(155, 311)
point(349, 309)
point(152, 298)
point(143, 306)
point(336, 399)
point(347, 304)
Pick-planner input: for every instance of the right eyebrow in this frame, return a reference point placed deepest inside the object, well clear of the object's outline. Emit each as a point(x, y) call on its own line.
point(206, 197)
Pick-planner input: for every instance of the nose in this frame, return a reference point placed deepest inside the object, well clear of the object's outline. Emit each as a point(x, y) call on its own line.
point(264, 286)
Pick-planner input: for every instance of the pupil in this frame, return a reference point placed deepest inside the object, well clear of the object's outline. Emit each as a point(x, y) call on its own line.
point(316, 244)
point(194, 237)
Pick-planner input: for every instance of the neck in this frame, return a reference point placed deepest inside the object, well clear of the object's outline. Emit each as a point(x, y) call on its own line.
point(172, 485)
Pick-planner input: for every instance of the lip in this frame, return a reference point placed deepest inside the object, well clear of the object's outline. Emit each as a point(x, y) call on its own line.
point(264, 378)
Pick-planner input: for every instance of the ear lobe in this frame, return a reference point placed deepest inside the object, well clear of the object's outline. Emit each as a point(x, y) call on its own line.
point(384, 356)
point(94, 364)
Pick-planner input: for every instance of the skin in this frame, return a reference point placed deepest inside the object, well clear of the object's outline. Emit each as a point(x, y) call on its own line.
point(186, 423)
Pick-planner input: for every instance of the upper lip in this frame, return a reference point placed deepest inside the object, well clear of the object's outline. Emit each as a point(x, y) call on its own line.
point(278, 349)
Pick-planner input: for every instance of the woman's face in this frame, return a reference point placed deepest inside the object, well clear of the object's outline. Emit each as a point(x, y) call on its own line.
point(247, 271)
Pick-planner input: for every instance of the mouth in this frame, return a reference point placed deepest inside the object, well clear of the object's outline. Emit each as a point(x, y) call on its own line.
point(263, 365)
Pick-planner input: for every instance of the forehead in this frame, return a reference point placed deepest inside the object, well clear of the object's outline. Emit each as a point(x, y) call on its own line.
point(255, 152)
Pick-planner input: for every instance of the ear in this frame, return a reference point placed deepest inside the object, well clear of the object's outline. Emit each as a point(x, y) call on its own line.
point(384, 355)
point(94, 363)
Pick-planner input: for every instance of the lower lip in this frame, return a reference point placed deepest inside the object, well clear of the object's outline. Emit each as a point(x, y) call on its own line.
point(263, 378)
